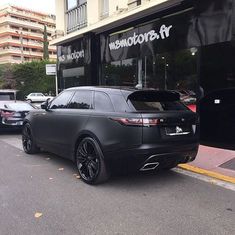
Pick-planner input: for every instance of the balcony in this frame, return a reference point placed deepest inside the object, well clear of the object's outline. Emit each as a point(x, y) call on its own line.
point(76, 18)
point(40, 17)
point(17, 51)
point(24, 23)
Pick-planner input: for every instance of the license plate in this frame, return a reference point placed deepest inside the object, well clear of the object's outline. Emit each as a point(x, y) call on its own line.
point(177, 130)
point(20, 123)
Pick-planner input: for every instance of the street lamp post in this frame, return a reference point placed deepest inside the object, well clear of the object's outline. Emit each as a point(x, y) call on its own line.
point(165, 72)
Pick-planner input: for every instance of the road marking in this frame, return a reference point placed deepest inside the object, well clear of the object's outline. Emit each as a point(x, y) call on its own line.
point(205, 178)
point(212, 174)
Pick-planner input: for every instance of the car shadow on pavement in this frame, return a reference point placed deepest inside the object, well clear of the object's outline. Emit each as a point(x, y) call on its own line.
point(10, 131)
point(146, 179)
point(119, 179)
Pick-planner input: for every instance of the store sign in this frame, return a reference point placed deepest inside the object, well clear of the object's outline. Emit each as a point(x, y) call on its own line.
point(75, 55)
point(164, 32)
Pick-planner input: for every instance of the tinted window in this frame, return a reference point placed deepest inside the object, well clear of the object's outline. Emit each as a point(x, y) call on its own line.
point(155, 101)
point(61, 101)
point(81, 100)
point(157, 106)
point(103, 102)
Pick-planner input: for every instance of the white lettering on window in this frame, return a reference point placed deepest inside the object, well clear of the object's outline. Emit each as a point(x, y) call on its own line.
point(75, 55)
point(152, 35)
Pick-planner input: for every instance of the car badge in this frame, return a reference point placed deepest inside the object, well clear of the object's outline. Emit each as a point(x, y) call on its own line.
point(178, 129)
point(182, 119)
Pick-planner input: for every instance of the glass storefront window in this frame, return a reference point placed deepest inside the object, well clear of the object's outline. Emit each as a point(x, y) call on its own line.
point(176, 70)
point(73, 77)
point(120, 73)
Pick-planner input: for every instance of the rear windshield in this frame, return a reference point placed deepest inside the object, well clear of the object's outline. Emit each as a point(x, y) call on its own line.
point(6, 96)
point(155, 101)
point(20, 106)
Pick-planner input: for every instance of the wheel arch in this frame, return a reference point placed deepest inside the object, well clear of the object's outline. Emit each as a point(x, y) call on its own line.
point(83, 135)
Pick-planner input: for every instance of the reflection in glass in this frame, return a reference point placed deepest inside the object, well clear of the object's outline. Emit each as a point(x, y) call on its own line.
point(120, 73)
point(175, 70)
point(71, 4)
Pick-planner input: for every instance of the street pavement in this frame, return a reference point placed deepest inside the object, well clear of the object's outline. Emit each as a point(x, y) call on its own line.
point(42, 194)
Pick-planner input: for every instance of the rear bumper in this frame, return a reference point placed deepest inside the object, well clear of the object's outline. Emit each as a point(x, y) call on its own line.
point(12, 123)
point(166, 156)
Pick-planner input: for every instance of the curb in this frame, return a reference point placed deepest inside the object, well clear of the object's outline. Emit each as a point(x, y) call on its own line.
point(212, 174)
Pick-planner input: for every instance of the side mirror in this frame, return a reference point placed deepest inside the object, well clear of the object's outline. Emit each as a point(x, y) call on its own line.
point(45, 104)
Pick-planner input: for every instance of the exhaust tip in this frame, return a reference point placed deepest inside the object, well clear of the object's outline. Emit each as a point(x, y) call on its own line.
point(149, 166)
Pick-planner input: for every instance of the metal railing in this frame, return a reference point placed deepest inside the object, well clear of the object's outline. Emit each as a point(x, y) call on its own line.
point(76, 17)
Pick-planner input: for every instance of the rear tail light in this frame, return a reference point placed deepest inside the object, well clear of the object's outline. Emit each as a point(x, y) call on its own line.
point(6, 114)
point(137, 121)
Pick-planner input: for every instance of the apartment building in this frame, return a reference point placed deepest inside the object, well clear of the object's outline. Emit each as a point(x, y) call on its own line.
point(22, 34)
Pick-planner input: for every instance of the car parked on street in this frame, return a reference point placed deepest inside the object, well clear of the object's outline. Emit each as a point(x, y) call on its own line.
point(100, 127)
point(12, 113)
point(7, 94)
point(37, 97)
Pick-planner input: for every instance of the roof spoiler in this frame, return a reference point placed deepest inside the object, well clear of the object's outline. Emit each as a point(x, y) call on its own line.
point(154, 95)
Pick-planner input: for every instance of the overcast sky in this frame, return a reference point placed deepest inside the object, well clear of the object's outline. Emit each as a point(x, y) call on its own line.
point(47, 6)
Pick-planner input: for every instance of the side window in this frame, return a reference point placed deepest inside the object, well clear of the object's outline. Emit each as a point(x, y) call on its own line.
point(61, 101)
point(103, 102)
point(81, 100)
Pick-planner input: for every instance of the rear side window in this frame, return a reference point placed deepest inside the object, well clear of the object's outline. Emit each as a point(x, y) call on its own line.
point(81, 100)
point(154, 101)
point(103, 102)
point(119, 103)
point(61, 101)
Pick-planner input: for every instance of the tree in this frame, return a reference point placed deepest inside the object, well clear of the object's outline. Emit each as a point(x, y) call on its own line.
point(45, 44)
point(31, 77)
point(7, 80)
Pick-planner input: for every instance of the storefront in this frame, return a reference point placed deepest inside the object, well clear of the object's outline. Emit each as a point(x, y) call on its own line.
point(189, 47)
point(75, 62)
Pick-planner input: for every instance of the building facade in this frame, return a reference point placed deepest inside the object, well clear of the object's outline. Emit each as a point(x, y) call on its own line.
point(184, 45)
point(22, 34)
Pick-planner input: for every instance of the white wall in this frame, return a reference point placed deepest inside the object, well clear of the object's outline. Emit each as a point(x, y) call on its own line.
point(93, 12)
point(60, 9)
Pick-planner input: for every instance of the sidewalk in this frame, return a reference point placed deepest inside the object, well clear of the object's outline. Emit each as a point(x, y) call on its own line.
point(214, 162)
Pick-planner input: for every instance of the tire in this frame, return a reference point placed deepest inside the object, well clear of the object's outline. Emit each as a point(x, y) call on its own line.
point(28, 142)
point(90, 162)
point(30, 101)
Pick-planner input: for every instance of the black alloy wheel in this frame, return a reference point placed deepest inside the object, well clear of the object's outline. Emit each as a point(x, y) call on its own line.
point(90, 162)
point(28, 142)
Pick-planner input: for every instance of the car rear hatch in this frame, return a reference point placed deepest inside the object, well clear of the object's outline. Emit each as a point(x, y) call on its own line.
point(165, 118)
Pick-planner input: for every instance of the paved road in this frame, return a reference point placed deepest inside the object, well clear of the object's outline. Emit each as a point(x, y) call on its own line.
point(46, 187)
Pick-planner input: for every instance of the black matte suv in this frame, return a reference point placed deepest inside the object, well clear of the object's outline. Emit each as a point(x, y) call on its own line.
point(99, 126)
